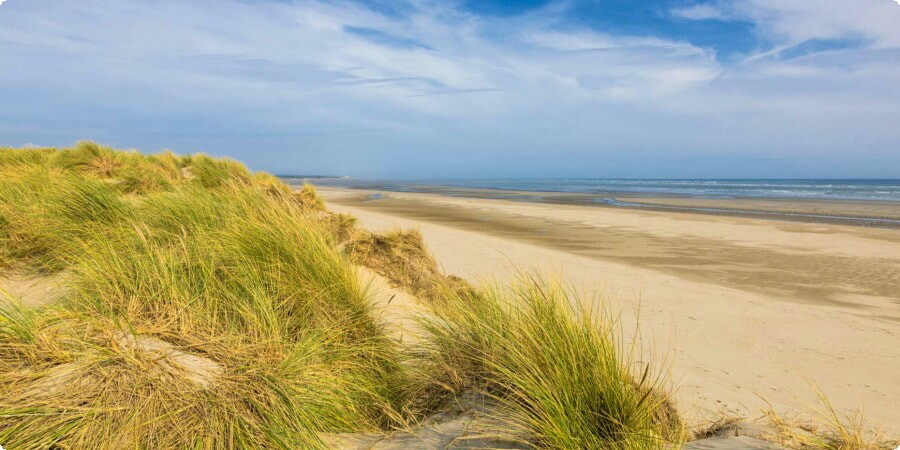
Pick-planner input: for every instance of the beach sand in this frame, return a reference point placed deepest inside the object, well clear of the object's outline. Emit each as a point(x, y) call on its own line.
point(744, 309)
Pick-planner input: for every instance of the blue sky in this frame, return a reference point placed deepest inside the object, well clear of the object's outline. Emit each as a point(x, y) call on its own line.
point(574, 88)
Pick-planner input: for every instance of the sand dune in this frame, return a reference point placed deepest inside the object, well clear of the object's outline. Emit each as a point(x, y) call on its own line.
point(746, 309)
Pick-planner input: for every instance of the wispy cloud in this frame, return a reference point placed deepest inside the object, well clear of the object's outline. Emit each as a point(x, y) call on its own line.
point(457, 91)
point(704, 11)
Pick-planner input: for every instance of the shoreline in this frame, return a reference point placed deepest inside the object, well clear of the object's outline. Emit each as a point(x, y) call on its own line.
point(869, 213)
point(748, 308)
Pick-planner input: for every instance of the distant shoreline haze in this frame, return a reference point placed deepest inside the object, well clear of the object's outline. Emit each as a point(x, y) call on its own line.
point(311, 177)
point(830, 189)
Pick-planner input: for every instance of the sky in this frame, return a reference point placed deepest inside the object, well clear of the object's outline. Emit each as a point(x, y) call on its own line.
point(466, 89)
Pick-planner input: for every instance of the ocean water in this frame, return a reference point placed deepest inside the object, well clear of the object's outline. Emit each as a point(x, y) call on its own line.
point(883, 190)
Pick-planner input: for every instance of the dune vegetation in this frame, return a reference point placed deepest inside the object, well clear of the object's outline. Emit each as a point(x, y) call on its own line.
point(206, 306)
point(555, 367)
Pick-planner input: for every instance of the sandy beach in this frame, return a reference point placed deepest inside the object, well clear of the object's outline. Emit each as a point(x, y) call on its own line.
point(747, 310)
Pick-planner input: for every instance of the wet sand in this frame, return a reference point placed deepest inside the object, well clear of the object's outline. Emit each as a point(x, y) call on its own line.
point(745, 308)
point(869, 213)
point(835, 209)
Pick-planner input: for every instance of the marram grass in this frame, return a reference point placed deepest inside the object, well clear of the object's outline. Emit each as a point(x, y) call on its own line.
point(554, 366)
point(200, 314)
point(211, 307)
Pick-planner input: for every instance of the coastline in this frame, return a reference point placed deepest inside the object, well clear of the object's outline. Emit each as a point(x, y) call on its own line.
point(745, 308)
point(870, 213)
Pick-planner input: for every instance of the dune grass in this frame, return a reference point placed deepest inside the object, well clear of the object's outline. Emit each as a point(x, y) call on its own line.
point(827, 429)
point(211, 307)
point(554, 365)
point(401, 257)
point(242, 284)
point(45, 210)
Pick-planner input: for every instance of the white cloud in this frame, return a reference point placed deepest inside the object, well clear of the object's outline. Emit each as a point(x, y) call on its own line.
point(798, 20)
point(700, 12)
point(790, 22)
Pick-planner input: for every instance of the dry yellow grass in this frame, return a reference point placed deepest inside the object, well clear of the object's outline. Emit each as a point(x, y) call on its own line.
point(207, 312)
point(826, 429)
point(401, 257)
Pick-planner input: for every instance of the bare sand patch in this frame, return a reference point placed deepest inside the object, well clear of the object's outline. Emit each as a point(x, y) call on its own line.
point(33, 290)
point(399, 309)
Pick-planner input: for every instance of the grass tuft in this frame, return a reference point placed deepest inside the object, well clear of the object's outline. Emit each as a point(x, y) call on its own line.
point(401, 257)
point(828, 429)
point(92, 158)
point(555, 367)
point(212, 173)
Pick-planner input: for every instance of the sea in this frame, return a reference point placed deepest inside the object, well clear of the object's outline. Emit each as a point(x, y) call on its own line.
point(831, 189)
